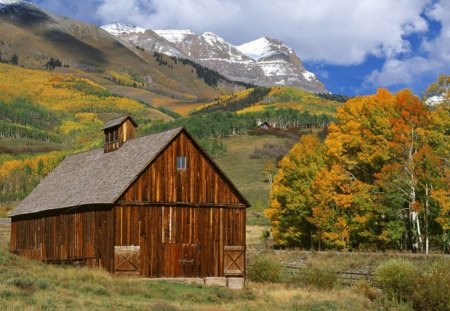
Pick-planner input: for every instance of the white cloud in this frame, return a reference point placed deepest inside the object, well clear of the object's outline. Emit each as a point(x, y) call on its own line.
point(335, 32)
point(435, 58)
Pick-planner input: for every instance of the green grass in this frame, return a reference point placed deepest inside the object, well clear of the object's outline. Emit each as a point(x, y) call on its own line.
point(32, 285)
point(247, 173)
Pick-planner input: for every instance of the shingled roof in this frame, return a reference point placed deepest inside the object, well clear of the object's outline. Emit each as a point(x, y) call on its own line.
point(118, 121)
point(95, 177)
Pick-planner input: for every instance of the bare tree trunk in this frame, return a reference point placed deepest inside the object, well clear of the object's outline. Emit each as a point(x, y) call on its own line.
point(413, 214)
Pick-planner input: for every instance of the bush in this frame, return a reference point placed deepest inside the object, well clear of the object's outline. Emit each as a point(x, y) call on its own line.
point(21, 282)
point(432, 290)
point(42, 283)
point(321, 278)
point(264, 269)
point(367, 289)
point(397, 278)
point(424, 290)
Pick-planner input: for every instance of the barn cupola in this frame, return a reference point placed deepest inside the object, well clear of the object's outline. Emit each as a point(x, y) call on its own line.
point(118, 131)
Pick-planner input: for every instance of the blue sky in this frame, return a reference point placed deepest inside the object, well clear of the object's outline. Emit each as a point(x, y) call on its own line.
point(354, 46)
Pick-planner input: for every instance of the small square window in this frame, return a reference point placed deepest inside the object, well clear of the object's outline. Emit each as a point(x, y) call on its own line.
point(181, 163)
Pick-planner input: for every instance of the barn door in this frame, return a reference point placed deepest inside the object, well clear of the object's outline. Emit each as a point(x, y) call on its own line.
point(126, 259)
point(190, 261)
point(179, 260)
point(234, 260)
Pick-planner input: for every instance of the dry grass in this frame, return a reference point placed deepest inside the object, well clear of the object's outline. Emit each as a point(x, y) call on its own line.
point(247, 173)
point(31, 285)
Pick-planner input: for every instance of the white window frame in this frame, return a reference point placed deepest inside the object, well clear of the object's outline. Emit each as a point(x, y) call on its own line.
point(181, 163)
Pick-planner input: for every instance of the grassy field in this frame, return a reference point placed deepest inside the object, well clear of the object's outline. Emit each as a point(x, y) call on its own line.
point(247, 173)
point(31, 285)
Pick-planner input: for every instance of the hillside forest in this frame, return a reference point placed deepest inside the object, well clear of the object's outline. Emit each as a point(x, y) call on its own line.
point(375, 178)
point(49, 115)
point(380, 180)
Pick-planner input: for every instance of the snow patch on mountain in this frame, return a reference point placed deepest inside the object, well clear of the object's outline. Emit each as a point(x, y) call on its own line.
point(174, 35)
point(213, 39)
point(262, 48)
point(309, 75)
point(118, 28)
point(4, 3)
point(272, 69)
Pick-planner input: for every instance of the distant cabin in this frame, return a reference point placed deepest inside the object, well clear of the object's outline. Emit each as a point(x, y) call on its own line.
point(154, 206)
point(264, 126)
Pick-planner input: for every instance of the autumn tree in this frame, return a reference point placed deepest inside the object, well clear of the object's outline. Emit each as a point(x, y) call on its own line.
point(438, 180)
point(289, 206)
point(382, 182)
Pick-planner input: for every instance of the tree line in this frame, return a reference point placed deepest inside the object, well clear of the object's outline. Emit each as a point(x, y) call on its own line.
point(208, 127)
point(235, 102)
point(379, 181)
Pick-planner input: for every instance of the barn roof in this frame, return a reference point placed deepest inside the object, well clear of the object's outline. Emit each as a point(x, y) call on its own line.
point(118, 121)
point(95, 177)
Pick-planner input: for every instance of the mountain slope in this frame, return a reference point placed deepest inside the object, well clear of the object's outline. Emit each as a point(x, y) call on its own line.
point(144, 38)
point(32, 37)
point(264, 62)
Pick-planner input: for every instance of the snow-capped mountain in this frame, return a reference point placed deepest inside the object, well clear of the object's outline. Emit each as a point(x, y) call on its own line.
point(144, 38)
point(264, 61)
point(6, 3)
point(263, 47)
point(272, 55)
point(117, 28)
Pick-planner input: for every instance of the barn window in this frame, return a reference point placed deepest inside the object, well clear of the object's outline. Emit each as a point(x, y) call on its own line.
point(181, 163)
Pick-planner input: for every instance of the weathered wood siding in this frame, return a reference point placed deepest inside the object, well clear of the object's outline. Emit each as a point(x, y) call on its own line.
point(84, 236)
point(124, 132)
point(169, 222)
point(200, 183)
point(182, 220)
point(180, 241)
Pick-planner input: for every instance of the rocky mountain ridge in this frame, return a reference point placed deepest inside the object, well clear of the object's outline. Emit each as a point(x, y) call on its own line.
point(265, 61)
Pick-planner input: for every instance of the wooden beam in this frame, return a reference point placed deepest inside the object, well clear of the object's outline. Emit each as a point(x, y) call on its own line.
point(181, 204)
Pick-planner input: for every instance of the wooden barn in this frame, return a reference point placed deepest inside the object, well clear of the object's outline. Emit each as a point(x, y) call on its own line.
point(154, 206)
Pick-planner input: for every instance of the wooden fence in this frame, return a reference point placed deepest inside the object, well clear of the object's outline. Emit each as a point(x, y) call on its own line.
point(343, 277)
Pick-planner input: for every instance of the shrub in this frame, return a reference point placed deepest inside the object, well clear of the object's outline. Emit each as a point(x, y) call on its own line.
point(321, 278)
point(42, 283)
point(367, 289)
point(397, 278)
point(425, 290)
point(264, 269)
point(21, 282)
point(432, 290)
